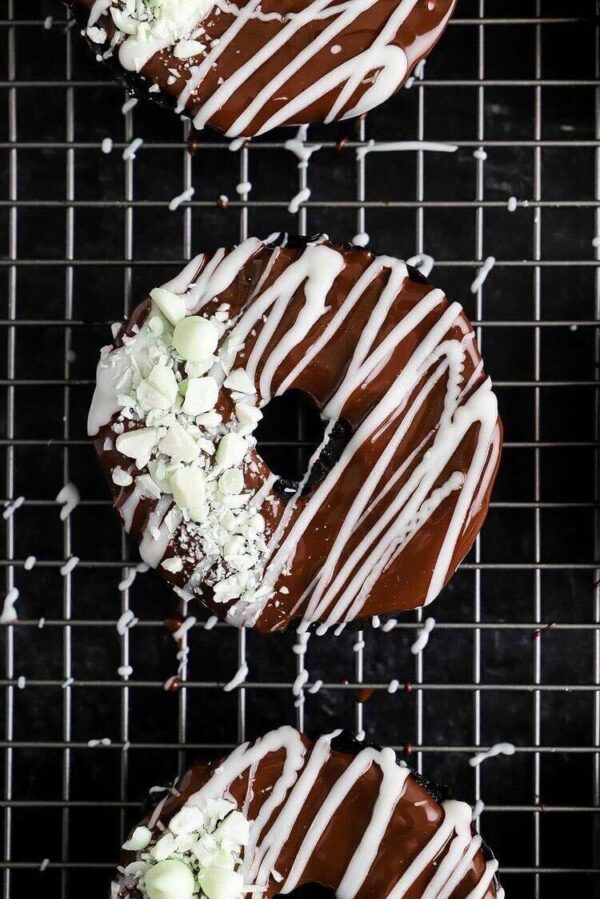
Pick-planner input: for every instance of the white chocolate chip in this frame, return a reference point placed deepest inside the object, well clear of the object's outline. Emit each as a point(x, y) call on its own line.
point(172, 564)
point(197, 369)
point(209, 419)
point(179, 445)
point(121, 478)
point(189, 491)
point(247, 414)
point(234, 827)
point(229, 588)
point(257, 523)
point(220, 883)
point(200, 395)
point(239, 380)
point(195, 338)
point(159, 390)
point(186, 820)
point(187, 49)
point(172, 879)
point(137, 443)
point(231, 450)
point(170, 304)
point(231, 481)
point(164, 847)
point(138, 840)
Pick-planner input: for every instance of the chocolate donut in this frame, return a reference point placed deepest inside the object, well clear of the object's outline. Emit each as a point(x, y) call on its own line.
point(247, 67)
point(284, 811)
point(395, 494)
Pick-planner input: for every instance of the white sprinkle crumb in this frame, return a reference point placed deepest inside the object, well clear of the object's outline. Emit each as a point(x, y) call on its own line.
point(512, 204)
point(29, 562)
point(128, 105)
point(126, 621)
point(69, 565)
point(124, 670)
point(181, 198)
point(69, 497)
point(299, 682)
point(44, 864)
point(423, 636)
point(21, 682)
point(361, 239)
point(393, 686)
point(130, 151)
point(389, 625)
point(67, 683)
point(12, 507)
point(41, 623)
point(48, 22)
point(477, 810)
point(103, 741)
point(184, 627)
point(423, 262)
point(301, 197)
point(496, 749)
point(314, 688)
point(482, 273)
point(480, 154)
point(8, 609)
point(210, 623)
point(107, 145)
point(238, 678)
point(244, 187)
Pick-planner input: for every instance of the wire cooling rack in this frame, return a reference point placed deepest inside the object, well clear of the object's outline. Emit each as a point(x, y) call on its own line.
point(515, 652)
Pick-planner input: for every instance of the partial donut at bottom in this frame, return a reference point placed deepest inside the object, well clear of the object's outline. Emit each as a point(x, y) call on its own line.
point(394, 496)
point(285, 811)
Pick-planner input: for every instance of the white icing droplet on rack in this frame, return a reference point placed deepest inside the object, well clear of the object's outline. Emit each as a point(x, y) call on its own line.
point(299, 682)
point(29, 562)
point(238, 678)
point(301, 197)
point(132, 573)
point(124, 670)
point(393, 686)
point(423, 636)
point(360, 736)
point(185, 195)
point(482, 274)
point(359, 646)
point(183, 628)
point(69, 497)
point(314, 688)
point(67, 683)
point(103, 741)
point(69, 565)
point(126, 621)
point(170, 683)
point(496, 749)
point(512, 204)
point(128, 105)
point(237, 144)
point(477, 810)
point(210, 623)
point(244, 187)
point(480, 154)
point(389, 625)
point(21, 682)
point(8, 609)
point(131, 149)
point(12, 507)
point(41, 623)
point(375, 622)
point(48, 22)
point(423, 262)
point(399, 146)
point(44, 864)
point(596, 242)
point(361, 239)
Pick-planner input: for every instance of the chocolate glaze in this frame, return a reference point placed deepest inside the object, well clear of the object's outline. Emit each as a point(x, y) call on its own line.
point(405, 582)
point(414, 820)
point(415, 36)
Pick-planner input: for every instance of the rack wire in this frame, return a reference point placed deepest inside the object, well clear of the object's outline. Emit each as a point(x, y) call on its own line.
point(515, 652)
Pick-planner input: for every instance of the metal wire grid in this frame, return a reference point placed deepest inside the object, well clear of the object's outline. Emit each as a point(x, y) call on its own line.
point(482, 677)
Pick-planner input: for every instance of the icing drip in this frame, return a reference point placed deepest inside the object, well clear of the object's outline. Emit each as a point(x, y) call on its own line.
point(295, 794)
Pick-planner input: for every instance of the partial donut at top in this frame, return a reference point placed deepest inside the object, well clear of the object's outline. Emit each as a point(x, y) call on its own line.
point(247, 67)
point(283, 812)
point(397, 491)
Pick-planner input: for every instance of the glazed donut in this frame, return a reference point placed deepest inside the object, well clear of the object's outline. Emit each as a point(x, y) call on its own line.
point(395, 494)
point(284, 811)
point(247, 67)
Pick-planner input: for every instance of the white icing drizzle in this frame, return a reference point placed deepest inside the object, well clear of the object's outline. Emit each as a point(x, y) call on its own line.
point(395, 146)
point(423, 636)
point(285, 801)
point(482, 274)
point(8, 614)
point(12, 507)
point(496, 749)
point(68, 496)
point(238, 678)
point(382, 65)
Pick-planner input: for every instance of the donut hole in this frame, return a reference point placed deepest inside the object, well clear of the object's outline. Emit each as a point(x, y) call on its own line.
point(287, 436)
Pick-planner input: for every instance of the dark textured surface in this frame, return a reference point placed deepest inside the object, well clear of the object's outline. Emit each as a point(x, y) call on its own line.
point(71, 803)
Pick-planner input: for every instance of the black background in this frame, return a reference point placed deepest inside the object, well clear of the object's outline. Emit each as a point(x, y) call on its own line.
point(534, 563)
